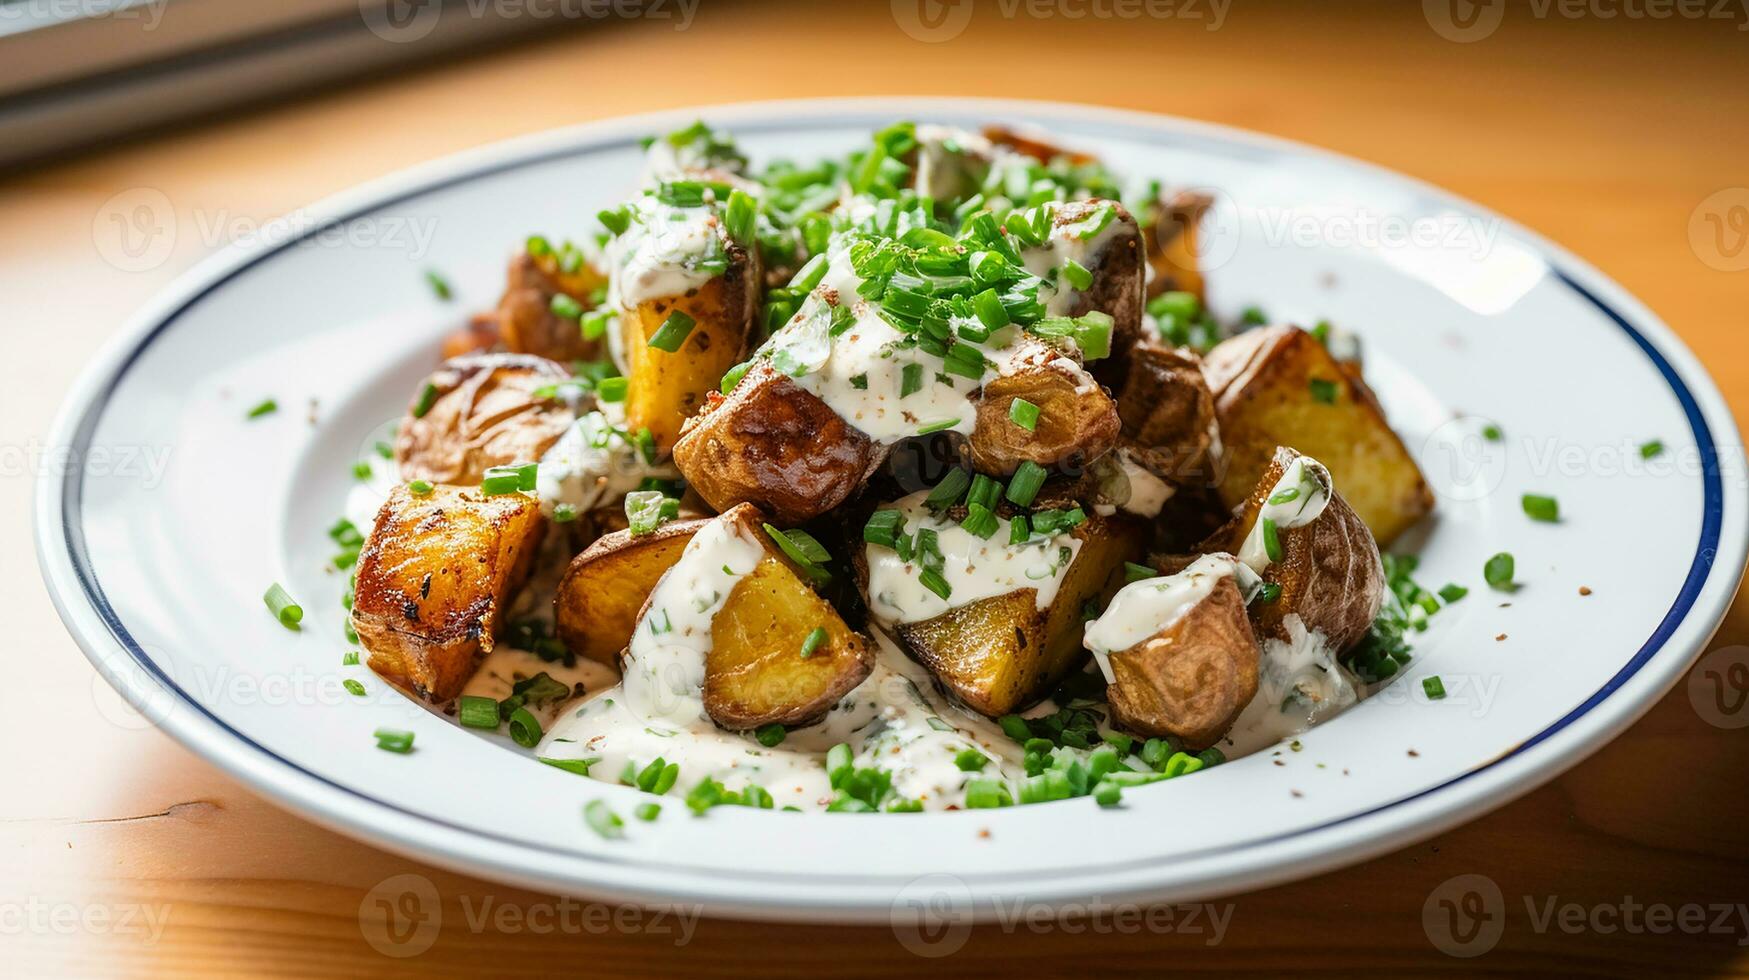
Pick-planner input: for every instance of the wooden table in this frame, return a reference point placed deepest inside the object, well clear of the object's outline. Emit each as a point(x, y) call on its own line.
point(1605, 134)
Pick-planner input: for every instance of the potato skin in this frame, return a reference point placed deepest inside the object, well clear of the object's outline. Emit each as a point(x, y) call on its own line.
point(665, 389)
point(1000, 654)
point(434, 577)
point(1261, 381)
point(1119, 282)
point(1168, 413)
point(603, 591)
point(484, 416)
point(773, 444)
point(525, 318)
point(1330, 573)
point(1192, 679)
point(1075, 422)
point(1173, 244)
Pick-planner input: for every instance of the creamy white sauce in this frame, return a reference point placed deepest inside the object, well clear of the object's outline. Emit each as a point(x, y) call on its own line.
point(591, 466)
point(975, 568)
point(951, 163)
point(1300, 684)
point(860, 373)
point(664, 664)
point(500, 671)
point(1306, 486)
point(659, 253)
point(894, 720)
point(1065, 244)
point(1127, 485)
point(1142, 609)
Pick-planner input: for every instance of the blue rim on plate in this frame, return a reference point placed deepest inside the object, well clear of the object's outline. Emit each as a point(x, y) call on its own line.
point(64, 500)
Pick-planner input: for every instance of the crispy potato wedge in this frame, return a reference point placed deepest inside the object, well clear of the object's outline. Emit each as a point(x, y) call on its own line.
point(665, 389)
point(478, 412)
point(1191, 679)
point(1077, 420)
point(1035, 145)
point(1329, 572)
point(603, 591)
point(1263, 383)
point(1168, 414)
point(1118, 275)
point(525, 318)
point(1003, 653)
point(773, 444)
point(755, 673)
point(434, 578)
point(1174, 248)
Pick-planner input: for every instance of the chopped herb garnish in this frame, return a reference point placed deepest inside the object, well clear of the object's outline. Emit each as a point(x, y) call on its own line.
point(578, 766)
point(394, 740)
point(910, 379)
point(525, 728)
point(933, 581)
point(771, 735)
point(267, 407)
point(1452, 592)
point(420, 488)
point(1540, 508)
point(601, 819)
point(509, 479)
point(650, 811)
point(564, 307)
point(1323, 391)
point(361, 470)
point(356, 689)
point(1433, 687)
point(1651, 449)
point(477, 712)
point(812, 641)
point(971, 760)
point(611, 389)
point(673, 332)
point(1492, 433)
point(1498, 572)
point(439, 284)
point(1133, 572)
point(940, 426)
point(283, 606)
point(1024, 486)
point(1024, 414)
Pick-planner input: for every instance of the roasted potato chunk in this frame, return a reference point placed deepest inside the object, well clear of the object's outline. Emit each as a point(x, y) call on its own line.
point(603, 592)
point(665, 389)
point(1329, 570)
point(1077, 420)
point(434, 577)
point(1168, 414)
point(525, 318)
point(1173, 243)
point(1192, 678)
point(1277, 386)
point(773, 444)
point(1003, 653)
point(1117, 268)
point(478, 411)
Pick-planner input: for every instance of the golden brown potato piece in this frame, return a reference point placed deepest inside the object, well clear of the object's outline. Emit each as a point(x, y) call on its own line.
point(1002, 653)
point(1034, 145)
point(665, 389)
point(1277, 386)
point(1174, 248)
point(1329, 572)
point(1118, 276)
point(525, 316)
point(1191, 679)
point(1076, 421)
point(755, 673)
point(603, 592)
point(433, 579)
point(772, 444)
point(1168, 413)
point(476, 412)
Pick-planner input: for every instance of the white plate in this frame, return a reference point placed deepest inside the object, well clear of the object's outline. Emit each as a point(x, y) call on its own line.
point(160, 578)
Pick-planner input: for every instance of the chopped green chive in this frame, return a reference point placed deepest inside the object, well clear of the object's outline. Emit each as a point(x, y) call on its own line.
point(910, 379)
point(1077, 275)
point(802, 548)
point(354, 687)
point(267, 407)
point(427, 398)
point(509, 479)
point(1024, 414)
point(771, 735)
point(1271, 540)
point(525, 728)
point(565, 513)
point(577, 766)
point(1133, 572)
point(439, 284)
point(420, 488)
point(1019, 530)
point(733, 376)
point(1651, 449)
point(859, 382)
point(987, 794)
point(594, 324)
point(1024, 486)
point(1452, 592)
point(1323, 391)
point(1253, 316)
point(361, 470)
point(1540, 508)
point(564, 307)
point(940, 426)
point(884, 528)
point(647, 509)
point(813, 640)
point(393, 740)
point(601, 819)
point(283, 606)
point(1433, 687)
point(673, 332)
point(948, 490)
point(971, 760)
point(1269, 592)
point(350, 660)
point(615, 221)
point(1492, 433)
point(474, 711)
point(1498, 571)
point(741, 217)
point(650, 811)
point(980, 521)
point(933, 581)
point(611, 389)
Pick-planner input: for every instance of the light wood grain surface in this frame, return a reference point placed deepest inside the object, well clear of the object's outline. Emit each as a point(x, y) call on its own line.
point(120, 852)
